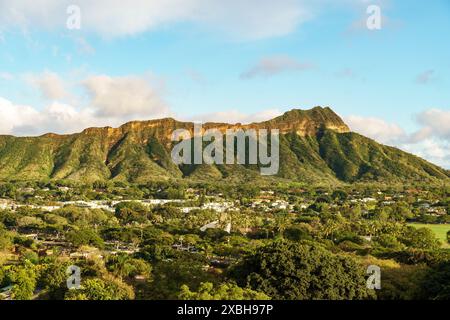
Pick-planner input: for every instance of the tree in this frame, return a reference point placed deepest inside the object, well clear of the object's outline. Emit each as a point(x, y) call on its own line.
point(54, 279)
point(281, 221)
point(152, 235)
point(23, 278)
point(226, 291)
point(402, 211)
point(156, 252)
point(123, 265)
point(5, 238)
point(30, 256)
point(339, 195)
point(436, 285)
point(388, 241)
point(296, 271)
point(297, 233)
point(169, 276)
point(422, 238)
point(84, 236)
point(7, 190)
point(128, 212)
point(108, 288)
point(30, 222)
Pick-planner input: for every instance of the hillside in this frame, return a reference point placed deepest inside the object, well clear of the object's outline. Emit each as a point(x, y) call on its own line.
point(315, 146)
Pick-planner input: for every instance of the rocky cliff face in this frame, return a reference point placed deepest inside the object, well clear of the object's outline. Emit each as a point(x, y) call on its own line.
point(315, 146)
point(302, 122)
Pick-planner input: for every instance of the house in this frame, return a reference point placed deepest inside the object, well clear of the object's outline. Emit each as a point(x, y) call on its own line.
point(424, 205)
point(32, 236)
point(219, 206)
point(4, 204)
point(189, 209)
point(280, 204)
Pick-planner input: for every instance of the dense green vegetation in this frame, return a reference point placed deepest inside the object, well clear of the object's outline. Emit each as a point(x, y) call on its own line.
point(112, 203)
point(442, 231)
point(288, 241)
point(315, 147)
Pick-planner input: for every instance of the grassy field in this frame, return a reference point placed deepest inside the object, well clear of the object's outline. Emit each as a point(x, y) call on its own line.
point(440, 230)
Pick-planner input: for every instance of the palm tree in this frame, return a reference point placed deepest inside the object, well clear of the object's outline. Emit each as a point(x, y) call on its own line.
point(120, 265)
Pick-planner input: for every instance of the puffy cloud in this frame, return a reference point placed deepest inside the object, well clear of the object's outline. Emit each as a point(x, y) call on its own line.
point(111, 102)
point(63, 118)
point(50, 85)
point(434, 150)
point(14, 115)
point(249, 19)
point(375, 128)
point(254, 19)
point(270, 66)
point(125, 97)
point(56, 117)
point(436, 122)
point(431, 141)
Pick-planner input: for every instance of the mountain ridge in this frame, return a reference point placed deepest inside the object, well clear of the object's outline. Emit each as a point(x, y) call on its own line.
point(315, 146)
point(316, 115)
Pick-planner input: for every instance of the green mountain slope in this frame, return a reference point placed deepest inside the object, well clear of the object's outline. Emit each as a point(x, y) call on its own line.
point(315, 146)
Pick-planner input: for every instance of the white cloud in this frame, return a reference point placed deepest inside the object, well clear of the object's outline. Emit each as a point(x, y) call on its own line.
point(431, 141)
point(56, 117)
point(243, 19)
point(124, 97)
point(254, 19)
point(63, 118)
point(111, 101)
point(249, 19)
point(49, 84)
point(434, 150)
point(375, 128)
point(436, 122)
point(14, 115)
point(270, 66)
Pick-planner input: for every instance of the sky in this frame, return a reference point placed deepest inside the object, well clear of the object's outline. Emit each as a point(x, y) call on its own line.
point(68, 65)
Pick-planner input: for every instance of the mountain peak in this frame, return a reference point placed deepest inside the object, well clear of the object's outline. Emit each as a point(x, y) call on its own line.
point(307, 122)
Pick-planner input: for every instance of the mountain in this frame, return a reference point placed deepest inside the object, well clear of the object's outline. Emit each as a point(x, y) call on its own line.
point(315, 146)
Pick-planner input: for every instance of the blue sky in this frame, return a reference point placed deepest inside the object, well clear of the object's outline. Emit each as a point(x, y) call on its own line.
point(229, 61)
